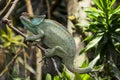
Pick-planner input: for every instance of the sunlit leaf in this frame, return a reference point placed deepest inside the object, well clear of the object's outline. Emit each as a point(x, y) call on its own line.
point(99, 4)
point(7, 44)
point(92, 43)
point(86, 77)
point(48, 77)
point(5, 37)
point(94, 61)
point(17, 78)
point(18, 37)
point(87, 38)
point(77, 77)
point(112, 3)
point(56, 78)
point(116, 10)
point(71, 17)
point(9, 32)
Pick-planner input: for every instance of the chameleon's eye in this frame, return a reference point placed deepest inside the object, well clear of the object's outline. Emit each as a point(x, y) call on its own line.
point(38, 19)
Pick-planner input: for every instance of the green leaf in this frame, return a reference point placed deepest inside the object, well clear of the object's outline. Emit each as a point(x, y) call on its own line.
point(99, 4)
point(2, 32)
point(18, 37)
point(116, 10)
point(18, 43)
point(92, 43)
point(9, 32)
point(56, 78)
point(17, 78)
point(115, 70)
point(88, 38)
point(112, 2)
point(48, 77)
point(7, 44)
point(77, 77)
point(94, 61)
point(5, 37)
point(66, 75)
point(104, 4)
point(85, 77)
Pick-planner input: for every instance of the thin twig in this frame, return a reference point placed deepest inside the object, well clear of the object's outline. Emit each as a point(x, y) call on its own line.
point(13, 59)
point(38, 65)
point(29, 8)
point(48, 9)
point(8, 2)
point(11, 9)
point(8, 22)
point(56, 68)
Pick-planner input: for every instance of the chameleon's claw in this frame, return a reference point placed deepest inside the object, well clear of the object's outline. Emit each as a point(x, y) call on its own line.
point(42, 59)
point(48, 53)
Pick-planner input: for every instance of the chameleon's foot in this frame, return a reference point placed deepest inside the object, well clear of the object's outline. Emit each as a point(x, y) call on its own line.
point(57, 50)
point(35, 42)
point(48, 52)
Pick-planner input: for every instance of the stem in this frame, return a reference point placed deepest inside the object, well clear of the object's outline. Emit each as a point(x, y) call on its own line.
point(29, 8)
point(48, 9)
point(11, 9)
point(8, 2)
point(107, 19)
point(56, 68)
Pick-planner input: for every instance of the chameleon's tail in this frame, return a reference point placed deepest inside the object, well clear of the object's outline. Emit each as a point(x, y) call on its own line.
point(88, 69)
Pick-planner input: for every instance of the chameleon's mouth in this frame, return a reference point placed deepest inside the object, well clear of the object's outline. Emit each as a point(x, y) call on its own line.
point(25, 19)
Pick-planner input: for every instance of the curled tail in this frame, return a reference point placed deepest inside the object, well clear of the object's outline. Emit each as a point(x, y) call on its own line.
point(88, 69)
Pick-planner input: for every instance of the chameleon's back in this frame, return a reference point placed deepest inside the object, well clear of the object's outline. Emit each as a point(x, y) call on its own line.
point(57, 35)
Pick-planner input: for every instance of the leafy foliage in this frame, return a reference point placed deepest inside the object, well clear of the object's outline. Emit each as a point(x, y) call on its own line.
point(105, 26)
point(8, 39)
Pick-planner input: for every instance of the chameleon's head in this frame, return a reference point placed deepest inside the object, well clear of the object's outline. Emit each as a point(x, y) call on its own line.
point(32, 23)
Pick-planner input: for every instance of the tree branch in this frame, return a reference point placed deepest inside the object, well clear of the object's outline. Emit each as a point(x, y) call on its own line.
point(11, 9)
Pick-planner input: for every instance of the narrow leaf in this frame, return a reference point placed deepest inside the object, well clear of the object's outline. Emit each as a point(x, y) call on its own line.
point(9, 32)
point(92, 43)
point(116, 10)
point(115, 70)
point(112, 2)
point(94, 61)
point(48, 77)
point(98, 3)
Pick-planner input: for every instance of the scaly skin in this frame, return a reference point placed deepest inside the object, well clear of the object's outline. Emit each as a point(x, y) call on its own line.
point(56, 38)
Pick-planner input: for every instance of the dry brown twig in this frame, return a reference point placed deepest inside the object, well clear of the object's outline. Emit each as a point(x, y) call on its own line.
point(48, 9)
point(29, 8)
point(8, 2)
point(8, 65)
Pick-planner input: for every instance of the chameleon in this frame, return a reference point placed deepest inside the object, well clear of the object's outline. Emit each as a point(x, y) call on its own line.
point(58, 40)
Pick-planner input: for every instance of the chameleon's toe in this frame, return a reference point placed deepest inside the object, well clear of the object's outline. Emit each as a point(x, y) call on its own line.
point(48, 53)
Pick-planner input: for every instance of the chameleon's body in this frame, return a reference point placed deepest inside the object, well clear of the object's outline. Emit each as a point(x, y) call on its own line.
point(56, 38)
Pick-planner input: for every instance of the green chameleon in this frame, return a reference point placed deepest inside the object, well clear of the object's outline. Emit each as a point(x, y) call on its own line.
point(58, 40)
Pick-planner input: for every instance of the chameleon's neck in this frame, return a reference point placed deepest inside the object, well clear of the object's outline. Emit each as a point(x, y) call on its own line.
point(71, 67)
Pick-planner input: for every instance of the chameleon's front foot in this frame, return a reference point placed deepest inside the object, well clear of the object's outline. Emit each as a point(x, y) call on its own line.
point(28, 39)
point(48, 53)
point(57, 50)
